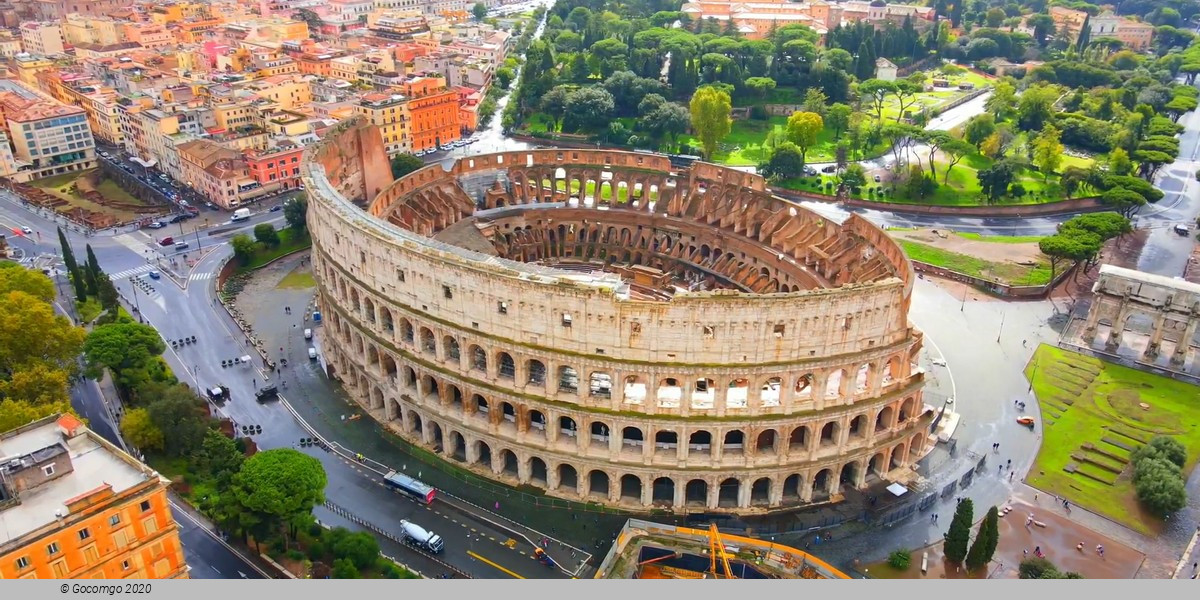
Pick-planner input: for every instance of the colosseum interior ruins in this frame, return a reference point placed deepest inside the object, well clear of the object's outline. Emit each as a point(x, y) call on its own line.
point(611, 328)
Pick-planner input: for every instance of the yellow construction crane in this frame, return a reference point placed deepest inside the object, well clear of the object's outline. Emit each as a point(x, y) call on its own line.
point(716, 548)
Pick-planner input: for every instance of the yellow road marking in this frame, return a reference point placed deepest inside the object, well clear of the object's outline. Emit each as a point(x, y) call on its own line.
point(490, 563)
point(511, 543)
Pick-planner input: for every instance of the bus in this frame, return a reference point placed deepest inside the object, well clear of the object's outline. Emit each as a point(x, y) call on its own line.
point(412, 488)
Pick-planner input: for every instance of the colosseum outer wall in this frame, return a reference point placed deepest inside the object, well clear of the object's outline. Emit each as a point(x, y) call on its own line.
point(496, 363)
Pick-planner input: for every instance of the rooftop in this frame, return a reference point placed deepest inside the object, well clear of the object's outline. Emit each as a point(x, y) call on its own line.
point(97, 464)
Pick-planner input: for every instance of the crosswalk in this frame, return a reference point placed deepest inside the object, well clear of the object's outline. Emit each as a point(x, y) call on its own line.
point(127, 273)
point(134, 243)
point(201, 276)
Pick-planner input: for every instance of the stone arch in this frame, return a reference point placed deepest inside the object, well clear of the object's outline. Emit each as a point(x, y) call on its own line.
point(389, 323)
point(568, 477)
point(450, 346)
point(478, 358)
point(410, 377)
point(429, 385)
point(849, 474)
point(898, 456)
point(598, 483)
point(435, 436)
point(407, 333)
point(700, 442)
point(696, 493)
point(823, 485)
point(376, 398)
point(390, 368)
point(538, 474)
point(704, 393)
point(862, 378)
point(835, 384)
point(480, 405)
point(737, 393)
point(728, 493)
point(507, 368)
point(804, 386)
point(771, 392)
point(799, 438)
point(669, 392)
point(760, 492)
point(600, 385)
point(413, 424)
point(537, 372)
point(536, 422)
point(907, 409)
point(858, 427)
point(662, 492)
point(509, 465)
point(767, 442)
point(829, 433)
point(883, 420)
point(733, 443)
point(635, 389)
point(631, 488)
point(792, 488)
point(568, 380)
point(878, 464)
point(600, 432)
point(631, 437)
point(457, 449)
point(567, 426)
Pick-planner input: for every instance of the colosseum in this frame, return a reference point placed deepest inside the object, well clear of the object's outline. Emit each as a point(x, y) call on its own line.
point(612, 328)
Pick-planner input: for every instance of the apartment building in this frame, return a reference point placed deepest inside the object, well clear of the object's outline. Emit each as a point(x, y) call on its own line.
point(87, 29)
point(1136, 35)
point(44, 39)
point(1068, 22)
point(28, 66)
point(73, 506)
point(276, 168)
point(431, 112)
point(57, 10)
point(99, 102)
point(147, 35)
point(218, 173)
point(10, 44)
point(49, 137)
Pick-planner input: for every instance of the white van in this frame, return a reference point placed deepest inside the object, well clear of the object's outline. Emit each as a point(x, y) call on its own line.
point(308, 334)
point(240, 214)
point(312, 353)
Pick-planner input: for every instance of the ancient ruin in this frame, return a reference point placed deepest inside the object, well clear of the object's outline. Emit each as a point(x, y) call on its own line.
point(610, 327)
point(1172, 305)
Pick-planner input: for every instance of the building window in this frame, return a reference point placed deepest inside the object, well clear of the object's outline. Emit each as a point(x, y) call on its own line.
point(114, 520)
point(52, 549)
point(502, 307)
point(125, 565)
point(145, 505)
point(447, 293)
point(48, 470)
point(22, 562)
point(566, 319)
point(84, 534)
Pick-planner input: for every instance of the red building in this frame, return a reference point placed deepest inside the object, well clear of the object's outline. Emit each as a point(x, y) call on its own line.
point(276, 168)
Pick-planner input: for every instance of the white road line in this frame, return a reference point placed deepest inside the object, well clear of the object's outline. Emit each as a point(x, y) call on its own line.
point(131, 272)
point(216, 537)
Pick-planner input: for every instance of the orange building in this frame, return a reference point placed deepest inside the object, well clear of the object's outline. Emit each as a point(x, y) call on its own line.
point(276, 168)
point(431, 113)
point(73, 506)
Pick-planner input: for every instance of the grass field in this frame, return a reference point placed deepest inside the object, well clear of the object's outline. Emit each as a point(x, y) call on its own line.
point(61, 186)
point(1092, 417)
point(299, 279)
point(1000, 239)
point(289, 242)
point(1006, 272)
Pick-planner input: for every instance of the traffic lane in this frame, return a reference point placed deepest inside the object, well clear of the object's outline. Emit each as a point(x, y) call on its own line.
point(399, 552)
point(359, 489)
point(207, 557)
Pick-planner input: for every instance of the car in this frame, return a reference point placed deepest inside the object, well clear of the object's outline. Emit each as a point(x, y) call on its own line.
point(105, 155)
point(210, 205)
point(312, 353)
point(829, 169)
point(941, 362)
point(308, 334)
point(276, 208)
point(178, 218)
point(155, 275)
point(27, 230)
point(1179, 229)
point(181, 246)
point(156, 225)
point(167, 241)
point(809, 171)
point(877, 180)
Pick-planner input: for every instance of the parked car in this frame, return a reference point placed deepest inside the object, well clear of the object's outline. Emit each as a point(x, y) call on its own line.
point(167, 241)
point(178, 218)
point(155, 275)
point(276, 208)
point(829, 169)
point(181, 246)
point(156, 225)
point(809, 171)
point(312, 353)
point(1182, 230)
point(308, 334)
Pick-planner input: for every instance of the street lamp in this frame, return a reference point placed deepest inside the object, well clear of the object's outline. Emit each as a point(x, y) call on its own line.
point(136, 305)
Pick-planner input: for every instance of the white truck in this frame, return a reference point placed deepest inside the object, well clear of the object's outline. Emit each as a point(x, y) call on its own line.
point(240, 214)
point(425, 539)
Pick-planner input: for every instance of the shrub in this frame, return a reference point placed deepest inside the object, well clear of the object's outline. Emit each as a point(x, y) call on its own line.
point(900, 559)
point(1157, 475)
point(1164, 447)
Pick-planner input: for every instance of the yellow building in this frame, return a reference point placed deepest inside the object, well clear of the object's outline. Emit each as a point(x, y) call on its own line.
point(232, 115)
point(74, 506)
point(44, 39)
point(286, 91)
point(29, 66)
point(86, 29)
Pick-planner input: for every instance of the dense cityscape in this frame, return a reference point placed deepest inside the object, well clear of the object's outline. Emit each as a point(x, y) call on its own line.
point(587, 289)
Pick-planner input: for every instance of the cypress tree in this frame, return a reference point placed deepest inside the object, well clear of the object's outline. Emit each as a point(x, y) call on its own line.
point(984, 548)
point(93, 274)
point(1085, 34)
point(865, 68)
point(72, 266)
point(960, 531)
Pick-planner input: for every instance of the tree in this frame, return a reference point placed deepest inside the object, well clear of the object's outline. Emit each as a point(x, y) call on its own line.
point(803, 129)
point(838, 118)
point(854, 176)
point(710, 109)
point(979, 128)
point(1119, 163)
point(954, 151)
point(14, 414)
point(275, 488)
point(993, 146)
point(1048, 150)
point(876, 91)
point(588, 108)
point(1124, 201)
point(72, 266)
point(906, 95)
point(959, 534)
point(1043, 27)
point(1040, 568)
point(32, 334)
point(92, 273)
point(295, 212)
point(1159, 486)
point(15, 278)
point(37, 383)
point(984, 547)
point(343, 568)
point(786, 162)
point(1165, 447)
point(815, 101)
point(1069, 246)
point(181, 418)
point(138, 429)
point(124, 348)
point(243, 247)
point(479, 11)
point(554, 104)
point(405, 163)
point(359, 548)
point(761, 86)
point(1036, 107)
point(666, 120)
point(994, 180)
point(266, 235)
point(1004, 96)
point(219, 456)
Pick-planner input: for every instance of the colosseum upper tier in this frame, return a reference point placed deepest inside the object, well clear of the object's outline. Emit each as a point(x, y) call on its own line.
point(609, 327)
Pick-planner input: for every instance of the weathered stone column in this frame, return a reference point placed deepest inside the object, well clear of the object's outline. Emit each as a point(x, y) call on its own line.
point(1185, 340)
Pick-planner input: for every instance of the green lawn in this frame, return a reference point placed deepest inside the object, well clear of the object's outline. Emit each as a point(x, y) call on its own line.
point(1086, 401)
point(1000, 239)
point(1010, 273)
point(288, 242)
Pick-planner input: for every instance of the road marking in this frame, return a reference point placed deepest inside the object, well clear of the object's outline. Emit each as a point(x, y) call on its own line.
point(492, 564)
point(131, 272)
point(511, 543)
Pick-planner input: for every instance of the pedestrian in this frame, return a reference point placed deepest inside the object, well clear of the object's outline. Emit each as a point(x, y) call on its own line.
point(1079, 547)
point(932, 517)
point(1025, 552)
point(1100, 550)
point(1010, 463)
point(1035, 496)
point(497, 505)
point(1010, 475)
point(1022, 343)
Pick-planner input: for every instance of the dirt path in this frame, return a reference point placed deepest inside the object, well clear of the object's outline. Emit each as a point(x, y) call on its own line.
point(986, 250)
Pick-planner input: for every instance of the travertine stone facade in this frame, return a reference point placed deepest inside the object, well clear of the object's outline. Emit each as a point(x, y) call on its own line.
point(1172, 304)
point(561, 347)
